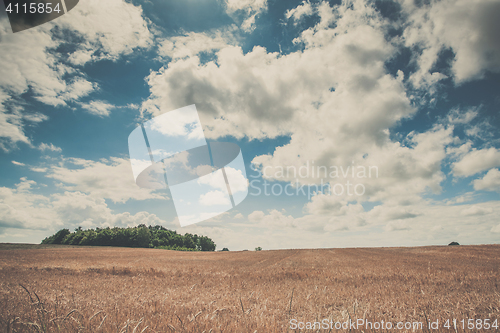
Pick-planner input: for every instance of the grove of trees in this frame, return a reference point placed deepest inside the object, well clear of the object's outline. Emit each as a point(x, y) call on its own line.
point(140, 236)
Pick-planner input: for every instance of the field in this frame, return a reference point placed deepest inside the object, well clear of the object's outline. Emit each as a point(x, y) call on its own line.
point(98, 289)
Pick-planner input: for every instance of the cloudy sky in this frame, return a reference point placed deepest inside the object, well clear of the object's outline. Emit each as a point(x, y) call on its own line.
point(409, 88)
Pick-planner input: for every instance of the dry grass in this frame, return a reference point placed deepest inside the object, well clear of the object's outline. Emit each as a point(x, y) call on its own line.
point(65, 289)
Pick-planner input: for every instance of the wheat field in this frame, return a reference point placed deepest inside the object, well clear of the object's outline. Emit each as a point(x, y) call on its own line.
point(99, 289)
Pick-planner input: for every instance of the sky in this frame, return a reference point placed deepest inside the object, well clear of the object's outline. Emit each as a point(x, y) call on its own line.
point(397, 100)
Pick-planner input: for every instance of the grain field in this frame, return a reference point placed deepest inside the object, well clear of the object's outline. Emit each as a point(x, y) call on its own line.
point(99, 289)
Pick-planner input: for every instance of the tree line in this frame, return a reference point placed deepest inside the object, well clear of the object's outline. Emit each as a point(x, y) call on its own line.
point(141, 236)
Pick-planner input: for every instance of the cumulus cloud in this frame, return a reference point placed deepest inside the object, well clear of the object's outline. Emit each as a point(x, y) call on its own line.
point(104, 33)
point(476, 210)
point(108, 179)
point(194, 43)
point(433, 223)
point(237, 181)
point(490, 181)
point(22, 208)
point(98, 108)
point(275, 219)
point(334, 98)
point(468, 28)
point(304, 9)
point(477, 160)
point(29, 61)
point(261, 94)
point(214, 180)
point(77, 208)
point(50, 147)
point(25, 63)
point(457, 116)
point(245, 11)
point(36, 169)
point(214, 198)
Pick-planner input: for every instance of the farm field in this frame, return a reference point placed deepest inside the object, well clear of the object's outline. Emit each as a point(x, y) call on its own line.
point(99, 289)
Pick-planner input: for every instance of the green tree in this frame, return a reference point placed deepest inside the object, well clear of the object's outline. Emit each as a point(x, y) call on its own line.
point(205, 244)
point(140, 236)
point(143, 237)
point(57, 238)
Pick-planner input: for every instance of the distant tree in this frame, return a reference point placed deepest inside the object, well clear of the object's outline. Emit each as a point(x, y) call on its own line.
point(190, 241)
point(453, 243)
point(225, 249)
point(205, 244)
point(140, 236)
point(57, 238)
point(258, 248)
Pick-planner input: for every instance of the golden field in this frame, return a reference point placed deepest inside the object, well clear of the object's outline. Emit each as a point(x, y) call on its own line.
point(99, 289)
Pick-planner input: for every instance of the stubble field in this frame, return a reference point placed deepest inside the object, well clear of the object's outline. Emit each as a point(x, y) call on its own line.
point(84, 289)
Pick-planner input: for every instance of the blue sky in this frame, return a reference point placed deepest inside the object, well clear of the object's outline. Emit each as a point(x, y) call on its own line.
point(409, 87)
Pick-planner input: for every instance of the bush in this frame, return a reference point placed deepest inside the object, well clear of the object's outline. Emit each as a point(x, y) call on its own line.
point(453, 243)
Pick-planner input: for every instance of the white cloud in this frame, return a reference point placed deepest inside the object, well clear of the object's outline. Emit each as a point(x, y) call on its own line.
point(434, 224)
point(476, 210)
point(324, 205)
point(81, 57)
point(245, 11)
point(246, 94)
point(24, 64)
point(236, 179)
point(397, 226)
point(76, 207)
point(468, 28)
point(193, 43)
point(98, 108)
point(214, 180)
point(214, 198)
point(304, 9)
point(106, 36)
point(21, 208)
point(490, 181)
point(275, 219)
point(18, 163)
point(247, 5)
point(35, 117)
point(460, 199)
point(477, 160)
point(457, 116)
point(50, 147)
point(41, 170)
point(334, 99)
point(29, 60)
point(111, 179)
